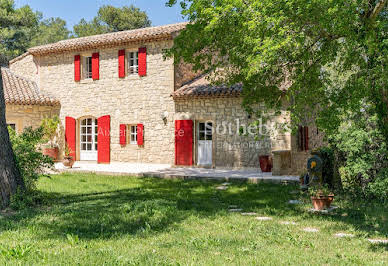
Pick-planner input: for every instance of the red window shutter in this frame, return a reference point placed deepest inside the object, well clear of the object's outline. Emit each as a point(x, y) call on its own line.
point(306, 138)
point(96, 66)
point(70, 135)
point(77, 68)
point(123, 134)
point(103, 139)
point(122, 64)
point(300, 138)
point(184, 142)
point(140, 134)
point(142, 61)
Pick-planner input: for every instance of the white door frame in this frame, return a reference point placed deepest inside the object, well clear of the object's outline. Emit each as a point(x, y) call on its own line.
point(205, 143)
point(88, 139)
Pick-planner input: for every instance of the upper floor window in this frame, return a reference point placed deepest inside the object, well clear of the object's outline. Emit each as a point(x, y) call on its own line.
point(88, 68)
point(133, 62)
point(133, 134)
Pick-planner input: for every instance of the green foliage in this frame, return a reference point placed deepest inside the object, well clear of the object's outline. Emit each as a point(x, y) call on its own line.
point(362, 156)
point(379, 187)
point(50, 127)
point(49, 31)
point(112, 19)
point(17, 26)
point(30, 160)
point(330, 56)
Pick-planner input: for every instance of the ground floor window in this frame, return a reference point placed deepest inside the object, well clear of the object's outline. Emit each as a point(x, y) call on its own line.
point(89, 144)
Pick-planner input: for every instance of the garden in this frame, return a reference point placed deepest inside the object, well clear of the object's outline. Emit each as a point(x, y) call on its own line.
point(117, 220)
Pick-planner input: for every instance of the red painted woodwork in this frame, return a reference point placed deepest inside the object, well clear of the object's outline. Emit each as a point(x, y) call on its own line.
point(96, 66)
point(306, 138)
point(142, 61)
point(103, 139)
point(140, 134)
point(184, 142)
point(70, 135)
point(77, 68)
point(121, 63)
point(123, 134)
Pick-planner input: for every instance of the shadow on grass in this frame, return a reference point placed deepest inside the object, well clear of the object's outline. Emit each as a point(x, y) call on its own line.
point(157, 205)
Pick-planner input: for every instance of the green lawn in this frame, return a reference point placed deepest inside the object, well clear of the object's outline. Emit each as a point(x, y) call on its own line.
point(91, 219)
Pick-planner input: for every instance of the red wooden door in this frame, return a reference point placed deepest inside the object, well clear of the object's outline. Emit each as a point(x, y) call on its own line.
point(184, 142)
point(70, 136)
point(103, 139)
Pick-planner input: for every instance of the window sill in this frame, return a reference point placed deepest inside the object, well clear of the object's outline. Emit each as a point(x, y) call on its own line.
point(87, 81)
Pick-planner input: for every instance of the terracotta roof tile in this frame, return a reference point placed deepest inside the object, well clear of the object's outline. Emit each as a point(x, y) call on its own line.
point(202, 88)
point(110, 39)
point(21, 91)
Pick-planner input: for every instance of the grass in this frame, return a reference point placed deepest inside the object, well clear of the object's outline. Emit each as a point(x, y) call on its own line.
point(92, 219)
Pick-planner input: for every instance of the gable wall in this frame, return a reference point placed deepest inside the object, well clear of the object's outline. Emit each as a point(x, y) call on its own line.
point(130, 100)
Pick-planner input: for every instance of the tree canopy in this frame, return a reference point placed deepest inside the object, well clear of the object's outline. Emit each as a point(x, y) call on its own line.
point(17, 26)
point(325, 57)
point(112, 19)
point(49, 31)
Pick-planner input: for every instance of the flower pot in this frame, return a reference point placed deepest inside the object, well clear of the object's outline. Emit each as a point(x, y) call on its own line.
point(329, 200)
point(51, 152)
point(322, 202)
point(265, 163)
point(68, 161)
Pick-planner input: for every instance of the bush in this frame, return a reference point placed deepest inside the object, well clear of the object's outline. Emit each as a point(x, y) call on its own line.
point(379, 188)
point(31, 162)
point(361, 154)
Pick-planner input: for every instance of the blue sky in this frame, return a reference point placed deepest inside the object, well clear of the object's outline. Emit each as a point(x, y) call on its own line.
point(73, 10)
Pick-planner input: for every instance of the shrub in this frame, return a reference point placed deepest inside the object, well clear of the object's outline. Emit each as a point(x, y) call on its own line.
point(31, 162)
point(50, 127)
point(361, 154)
point(379, 188)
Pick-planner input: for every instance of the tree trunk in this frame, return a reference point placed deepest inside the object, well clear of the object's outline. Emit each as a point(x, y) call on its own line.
point(10, 178)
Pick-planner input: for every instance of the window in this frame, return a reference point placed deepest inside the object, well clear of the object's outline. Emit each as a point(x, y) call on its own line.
point(133, 135)
point(13, 126)
point(133, 62)
point(88, 67)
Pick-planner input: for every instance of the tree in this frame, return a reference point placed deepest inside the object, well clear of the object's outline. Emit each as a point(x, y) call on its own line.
point(327, 57)
point(17, 26)
point(49, 31)
point(10, 178)
point(112, 19)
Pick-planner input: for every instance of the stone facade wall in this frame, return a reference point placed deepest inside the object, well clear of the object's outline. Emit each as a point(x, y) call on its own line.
point(183, 74)
point(27, 67)
point(28, 115)
point(230, 148)
point(299, 158)
point(131, 100)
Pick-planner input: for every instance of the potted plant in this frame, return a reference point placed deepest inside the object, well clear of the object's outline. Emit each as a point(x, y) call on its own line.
point(68, 160)
point(321, 197)
point(50, 127)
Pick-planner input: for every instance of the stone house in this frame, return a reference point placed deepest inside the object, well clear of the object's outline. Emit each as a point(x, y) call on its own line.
point(121, 101)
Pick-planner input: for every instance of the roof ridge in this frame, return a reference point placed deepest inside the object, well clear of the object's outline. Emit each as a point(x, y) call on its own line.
point(110, 39)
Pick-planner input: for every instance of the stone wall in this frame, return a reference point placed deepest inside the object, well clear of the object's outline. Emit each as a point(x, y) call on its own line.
point(130, 100)
point(27, 67)
point(231, 149)
point(28, 115)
